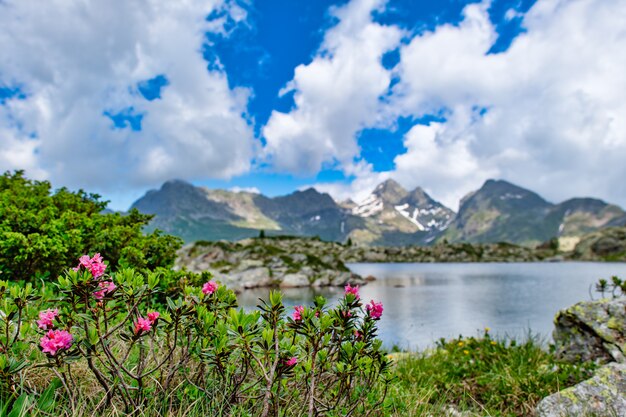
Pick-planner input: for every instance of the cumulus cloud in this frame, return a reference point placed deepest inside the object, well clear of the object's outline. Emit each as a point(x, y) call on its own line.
point(76, 62)
point(336, 95)
point(544, 114)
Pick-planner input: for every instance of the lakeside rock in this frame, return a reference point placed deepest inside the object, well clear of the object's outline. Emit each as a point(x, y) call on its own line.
point(592, 331)
point(284, 263)
point(602, 395)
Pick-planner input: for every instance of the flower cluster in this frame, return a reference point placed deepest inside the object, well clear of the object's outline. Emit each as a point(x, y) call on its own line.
point(297, 313)
point(209, 287)
point(374, 309)
point(144, 325)
point(56, 340)
point(352, 290)
point(106, 287)
point(94, 265)
point(46, 318)
point(291, 361)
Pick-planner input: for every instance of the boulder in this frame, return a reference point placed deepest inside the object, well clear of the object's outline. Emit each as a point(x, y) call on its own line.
point(250, 278)
point(602, 395)
point(592, 331)
point(295, 280)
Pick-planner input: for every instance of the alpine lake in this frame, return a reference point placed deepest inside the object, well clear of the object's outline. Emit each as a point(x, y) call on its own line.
point(424, 302)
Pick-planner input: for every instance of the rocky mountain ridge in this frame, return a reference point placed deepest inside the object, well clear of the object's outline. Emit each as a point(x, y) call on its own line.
point(390, 216)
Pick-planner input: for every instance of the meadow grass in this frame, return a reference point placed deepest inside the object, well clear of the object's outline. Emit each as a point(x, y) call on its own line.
point(480, 375)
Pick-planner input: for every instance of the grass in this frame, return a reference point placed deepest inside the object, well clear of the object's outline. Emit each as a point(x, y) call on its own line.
point(479, 375)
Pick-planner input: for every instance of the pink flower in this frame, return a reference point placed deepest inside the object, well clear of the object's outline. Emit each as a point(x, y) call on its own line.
point(357, 334)
point(292, 361)
point(297, 314)
point(56, 340)
point(105, 288)
point(46, 318)
point(153, 316)
point(352, 290)
point(346, 314)
point(209, 287)
point(375, 310)
point(142, 325)
point(95, 265)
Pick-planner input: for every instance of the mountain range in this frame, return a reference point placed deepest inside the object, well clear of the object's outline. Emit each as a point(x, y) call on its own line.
point(389, 216)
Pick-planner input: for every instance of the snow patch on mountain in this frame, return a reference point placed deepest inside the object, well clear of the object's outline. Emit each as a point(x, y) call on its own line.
point(370, 206)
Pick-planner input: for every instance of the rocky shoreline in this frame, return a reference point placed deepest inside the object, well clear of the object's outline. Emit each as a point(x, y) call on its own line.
point(253, 263)
point(288, 261)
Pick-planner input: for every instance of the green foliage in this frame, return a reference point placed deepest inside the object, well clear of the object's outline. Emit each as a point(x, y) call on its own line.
point(42, 232)
point(132, 347)
point(479, 374)
point(615, 287)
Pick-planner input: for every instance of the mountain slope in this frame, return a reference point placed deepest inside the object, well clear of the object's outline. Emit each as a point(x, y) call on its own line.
point(501, 211)
point(394, 215)
point(390, 216)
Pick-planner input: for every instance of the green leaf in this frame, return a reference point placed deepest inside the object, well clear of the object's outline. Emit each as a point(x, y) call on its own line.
point(20, 406)
point(46, 400)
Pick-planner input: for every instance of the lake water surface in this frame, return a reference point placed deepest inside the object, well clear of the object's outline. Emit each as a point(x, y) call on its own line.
point(424, 302)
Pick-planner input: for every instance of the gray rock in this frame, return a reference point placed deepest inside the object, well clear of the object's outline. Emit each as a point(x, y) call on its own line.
point(602, 395)
point(251, 278)
point(298, 257)
point(295, 280)
point(592, 331)
point(248, 264)
point(321, 281)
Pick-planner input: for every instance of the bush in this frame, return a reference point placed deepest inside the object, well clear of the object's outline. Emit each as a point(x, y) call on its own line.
point(106, 342)
point(42, 232)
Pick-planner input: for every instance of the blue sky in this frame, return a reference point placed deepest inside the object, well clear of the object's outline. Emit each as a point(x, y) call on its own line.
point(277, 95)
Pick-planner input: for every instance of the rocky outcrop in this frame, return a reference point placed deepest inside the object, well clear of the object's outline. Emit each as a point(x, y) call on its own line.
point(252, 263)
point(592, 331)
point(602, 395)
point(603, 245)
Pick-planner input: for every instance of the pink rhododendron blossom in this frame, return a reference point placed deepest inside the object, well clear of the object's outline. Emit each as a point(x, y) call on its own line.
point(142, 325)
point(352, 290)
point(209, 287)
point(357, 334)
point(297, 314)
point(292, 361)
point(153, 316)
point(56, 340)
point(374, 309)
point(46, 318)
point(94, 265)
point(105, 288)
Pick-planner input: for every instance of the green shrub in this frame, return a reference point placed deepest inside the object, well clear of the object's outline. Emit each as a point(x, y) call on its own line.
point(106, 343)
point(41, 232)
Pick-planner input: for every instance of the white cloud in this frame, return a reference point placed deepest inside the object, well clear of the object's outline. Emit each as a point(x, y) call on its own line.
point(365, 180)
point(553, 103)
point(76, 60)
point(336, 95)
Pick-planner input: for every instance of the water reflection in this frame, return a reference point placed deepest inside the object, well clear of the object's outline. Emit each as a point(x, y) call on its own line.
point(424, 302)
